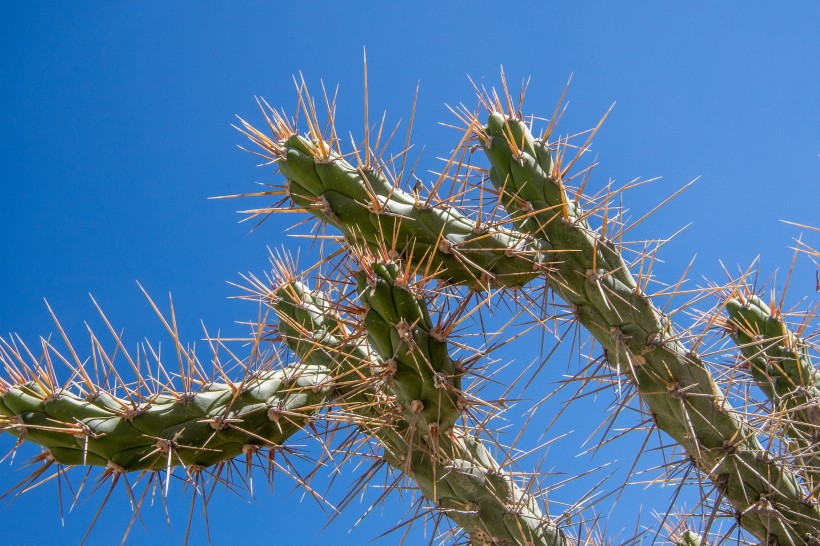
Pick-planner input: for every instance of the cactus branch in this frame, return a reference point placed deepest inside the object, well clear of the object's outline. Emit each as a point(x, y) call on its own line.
point(779, 362)
point(587, 270)
point(435, 239)
point(83, 423)
point(591, 275)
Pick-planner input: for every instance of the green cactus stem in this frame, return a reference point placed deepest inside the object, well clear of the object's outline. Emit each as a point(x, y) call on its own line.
point(592, 277)
point(224, 421)
point(89, 426)
point(367, 208)
point(417, 365)
point(780, 365)
point(589, 273)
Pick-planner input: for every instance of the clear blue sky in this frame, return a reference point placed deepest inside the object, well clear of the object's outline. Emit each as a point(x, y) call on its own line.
point(116, 129)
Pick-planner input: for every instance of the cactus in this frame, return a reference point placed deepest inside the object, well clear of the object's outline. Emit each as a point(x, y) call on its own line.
point(196, 429)
point(373, 352)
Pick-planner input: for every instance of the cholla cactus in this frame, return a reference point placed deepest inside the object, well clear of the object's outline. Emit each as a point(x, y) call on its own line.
point(376, 349)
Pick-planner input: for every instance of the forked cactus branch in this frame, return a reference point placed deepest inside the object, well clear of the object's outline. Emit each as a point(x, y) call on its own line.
point(452, 469)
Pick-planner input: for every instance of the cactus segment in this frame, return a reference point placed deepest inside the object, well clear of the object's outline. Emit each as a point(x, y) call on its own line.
point(421, 373)
point(313, 330)
point(780, 365)
point(434, 239)
point(683, 398)
point(301, 311)
point(471, 489)
point(196, 429)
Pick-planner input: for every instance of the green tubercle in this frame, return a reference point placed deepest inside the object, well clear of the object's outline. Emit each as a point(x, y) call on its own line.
point(689, 538)
point(456, 472)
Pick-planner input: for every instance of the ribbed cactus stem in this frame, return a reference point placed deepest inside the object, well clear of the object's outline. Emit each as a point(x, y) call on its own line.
point(224, 421)
point(368, 209)
point(468, 485)
point(591, 275)
point(417, 366)
point(780, 364)
point(456, 472)
point(91, 427)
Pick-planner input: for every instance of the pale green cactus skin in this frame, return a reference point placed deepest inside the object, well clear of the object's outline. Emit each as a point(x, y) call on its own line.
point(780, 365)
point(423, 376)
point(689, 538)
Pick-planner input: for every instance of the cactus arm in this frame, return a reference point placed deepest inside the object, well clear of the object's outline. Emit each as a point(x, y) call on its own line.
point(780, 365)
point(452, 469)
point(417, 365)
point(196, 429)
point(223, 421)
point(367, 208)
point(591, 275)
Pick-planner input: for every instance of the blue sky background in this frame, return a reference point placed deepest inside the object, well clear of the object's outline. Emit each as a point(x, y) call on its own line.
point(115, 129)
